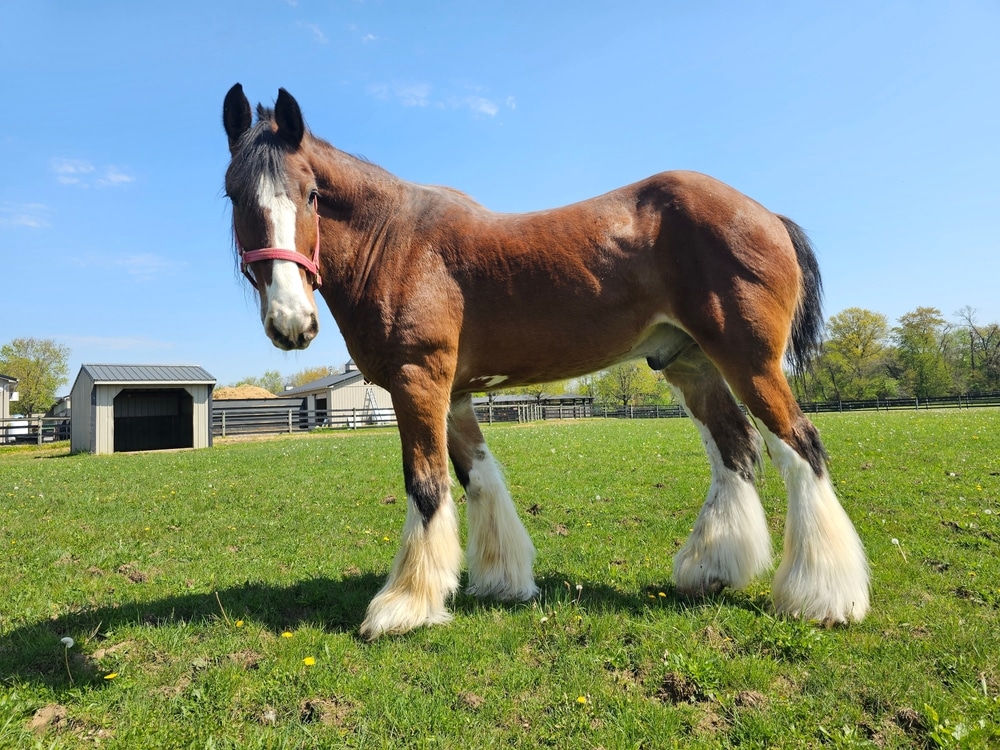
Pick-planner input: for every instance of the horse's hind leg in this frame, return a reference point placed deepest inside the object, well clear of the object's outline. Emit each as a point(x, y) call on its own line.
point(730, 543)
point(499, 552)
point(823, 573)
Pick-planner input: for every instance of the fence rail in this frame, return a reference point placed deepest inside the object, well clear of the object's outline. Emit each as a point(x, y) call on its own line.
point(257, 421)
point(227, 422)
point(34, 430)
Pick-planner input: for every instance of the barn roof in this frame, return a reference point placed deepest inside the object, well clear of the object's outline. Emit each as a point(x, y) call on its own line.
point(328, 382)
point(148, 374)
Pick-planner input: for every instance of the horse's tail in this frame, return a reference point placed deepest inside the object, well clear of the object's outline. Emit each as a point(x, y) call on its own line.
point(807, 325)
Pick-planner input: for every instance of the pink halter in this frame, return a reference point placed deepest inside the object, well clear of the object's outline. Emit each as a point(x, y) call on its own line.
point(276, 253)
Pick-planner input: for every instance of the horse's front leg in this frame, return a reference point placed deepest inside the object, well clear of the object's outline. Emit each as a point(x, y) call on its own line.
point(500, 552)
point(425, 572)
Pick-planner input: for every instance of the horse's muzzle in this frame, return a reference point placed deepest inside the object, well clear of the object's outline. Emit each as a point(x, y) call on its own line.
point(288, 333)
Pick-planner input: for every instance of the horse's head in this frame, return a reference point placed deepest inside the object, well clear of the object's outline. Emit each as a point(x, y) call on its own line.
point(275, 214)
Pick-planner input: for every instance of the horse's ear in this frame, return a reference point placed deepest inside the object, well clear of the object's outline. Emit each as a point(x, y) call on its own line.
point(288, 117)
point(236, 116)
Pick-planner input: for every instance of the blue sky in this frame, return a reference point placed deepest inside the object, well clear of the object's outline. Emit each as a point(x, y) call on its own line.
point(874, 125)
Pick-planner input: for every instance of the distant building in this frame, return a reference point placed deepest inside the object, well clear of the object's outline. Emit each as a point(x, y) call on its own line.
point(141, 407)
point(8, 393)
point(343, 398)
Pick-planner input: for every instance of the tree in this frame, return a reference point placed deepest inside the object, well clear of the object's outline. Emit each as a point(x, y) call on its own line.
point(852, 363)
point(922, 341)
point(310, 374)
point(40, 366)
point(982, 343)
point(271, 381)
point(631, 384)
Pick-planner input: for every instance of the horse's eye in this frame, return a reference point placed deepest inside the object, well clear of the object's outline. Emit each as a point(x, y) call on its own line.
point(314, 197)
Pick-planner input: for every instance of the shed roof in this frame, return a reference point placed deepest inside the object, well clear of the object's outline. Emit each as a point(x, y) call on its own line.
point(8, 378)
point(328, 382)
point(148, 374)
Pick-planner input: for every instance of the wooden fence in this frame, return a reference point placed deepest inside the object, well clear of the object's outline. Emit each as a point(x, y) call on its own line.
point(246, 421)
point(227, 422)
point(33, 430)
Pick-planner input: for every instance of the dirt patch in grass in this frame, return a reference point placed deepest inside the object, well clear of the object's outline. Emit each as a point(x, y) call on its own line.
point(332, 712)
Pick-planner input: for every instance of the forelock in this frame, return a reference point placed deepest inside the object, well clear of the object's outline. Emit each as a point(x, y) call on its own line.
point(259, 152)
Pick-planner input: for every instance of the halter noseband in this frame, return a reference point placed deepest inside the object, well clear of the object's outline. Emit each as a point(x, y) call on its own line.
point(311, 266)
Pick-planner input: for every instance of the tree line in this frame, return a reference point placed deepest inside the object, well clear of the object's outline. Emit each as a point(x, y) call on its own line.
point(923, 355)
point(862, 357)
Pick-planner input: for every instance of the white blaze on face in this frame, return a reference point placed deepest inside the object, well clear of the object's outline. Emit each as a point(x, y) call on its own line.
point(287, 310)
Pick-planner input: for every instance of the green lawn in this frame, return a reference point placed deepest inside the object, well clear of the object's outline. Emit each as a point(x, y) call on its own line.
point(214, 599)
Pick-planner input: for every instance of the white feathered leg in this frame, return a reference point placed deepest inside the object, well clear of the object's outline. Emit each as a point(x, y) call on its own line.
point(730, 544)
point(424, 574)
point(499, 551)
point(823, 573)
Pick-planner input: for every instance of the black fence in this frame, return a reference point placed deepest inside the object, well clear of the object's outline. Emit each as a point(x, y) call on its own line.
point(961, 401)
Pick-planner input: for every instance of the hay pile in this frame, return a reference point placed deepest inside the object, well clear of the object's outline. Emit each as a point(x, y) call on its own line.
point(231, 392)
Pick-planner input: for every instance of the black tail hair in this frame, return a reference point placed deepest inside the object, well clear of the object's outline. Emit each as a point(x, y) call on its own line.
point(807, 325)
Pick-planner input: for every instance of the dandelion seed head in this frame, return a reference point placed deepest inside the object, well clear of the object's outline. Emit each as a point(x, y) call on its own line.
point(67, 642)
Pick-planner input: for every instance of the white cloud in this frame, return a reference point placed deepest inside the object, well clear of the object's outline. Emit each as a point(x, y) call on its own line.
point(146, 266)
point(482, 106)
point(421, 95)
point(30, 215)
point(113, 176)
point(71, 171)
point(315, 30)
point(85, 174)
point(409, 95)
point(137, 266)
point(413, 95)
point(368, 38)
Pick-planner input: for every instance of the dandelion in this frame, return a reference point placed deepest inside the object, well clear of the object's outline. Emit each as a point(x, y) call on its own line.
point(662, 595)
point(899, 546)
point(239, 623)
point(111, 676)
point(582, 700)
point(309, 661)
point(67, 642)
point(286, 634)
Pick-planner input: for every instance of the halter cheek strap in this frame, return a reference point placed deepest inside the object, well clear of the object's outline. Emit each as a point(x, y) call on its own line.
point(311, 266)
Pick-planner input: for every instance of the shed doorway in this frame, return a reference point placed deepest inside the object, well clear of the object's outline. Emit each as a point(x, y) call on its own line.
point(147, 419)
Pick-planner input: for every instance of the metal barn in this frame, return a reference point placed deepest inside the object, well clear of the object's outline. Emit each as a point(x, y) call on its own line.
point(119, 408)
point(346, 397)
point(8, 393)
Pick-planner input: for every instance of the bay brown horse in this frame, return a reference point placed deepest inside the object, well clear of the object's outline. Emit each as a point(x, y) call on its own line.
point(437, 298)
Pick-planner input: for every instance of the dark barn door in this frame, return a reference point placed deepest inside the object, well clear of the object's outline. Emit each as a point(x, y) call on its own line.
point(147, 420)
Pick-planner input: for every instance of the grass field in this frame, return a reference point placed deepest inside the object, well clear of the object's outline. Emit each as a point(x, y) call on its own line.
point(214, 597)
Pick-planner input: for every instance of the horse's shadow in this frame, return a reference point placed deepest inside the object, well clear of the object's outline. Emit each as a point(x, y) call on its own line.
point(33, 652)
